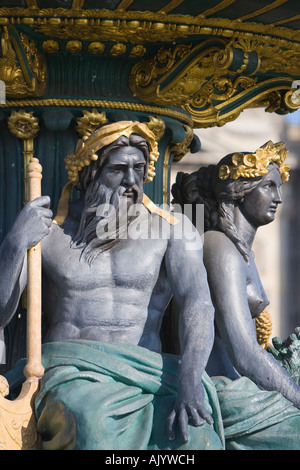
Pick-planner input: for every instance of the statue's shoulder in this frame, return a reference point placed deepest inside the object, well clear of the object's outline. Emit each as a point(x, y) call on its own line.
point(218, 248)
point(215, 239)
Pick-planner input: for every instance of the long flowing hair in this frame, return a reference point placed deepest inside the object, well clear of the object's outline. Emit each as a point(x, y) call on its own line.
point(219, 197)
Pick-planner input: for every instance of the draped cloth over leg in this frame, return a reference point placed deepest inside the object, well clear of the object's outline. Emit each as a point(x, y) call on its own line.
point(115, 397)
point(256, 419)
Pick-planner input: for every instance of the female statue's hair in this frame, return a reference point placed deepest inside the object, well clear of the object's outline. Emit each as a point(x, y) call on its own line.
point(219, 197)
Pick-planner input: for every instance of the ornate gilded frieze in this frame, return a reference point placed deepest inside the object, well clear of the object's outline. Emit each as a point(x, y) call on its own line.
point(216, 79)
point(148, 26)
point(198, 68)
point(106, 29)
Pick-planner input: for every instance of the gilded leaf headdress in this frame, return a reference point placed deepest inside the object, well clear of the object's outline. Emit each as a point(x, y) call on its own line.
point(86, 152)
point(87, 147)
point(253, 165)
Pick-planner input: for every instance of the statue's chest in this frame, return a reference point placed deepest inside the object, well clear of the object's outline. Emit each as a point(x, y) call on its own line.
point(257, 298)
point(130, 263)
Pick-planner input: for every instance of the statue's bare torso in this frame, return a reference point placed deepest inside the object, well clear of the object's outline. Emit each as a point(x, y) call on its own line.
point(121, 296)
point(109, 299)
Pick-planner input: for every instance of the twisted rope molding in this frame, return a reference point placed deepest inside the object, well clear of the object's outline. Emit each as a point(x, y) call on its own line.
point(101, 104)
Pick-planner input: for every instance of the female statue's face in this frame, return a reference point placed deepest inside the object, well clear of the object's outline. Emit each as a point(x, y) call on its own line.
point(260, 205)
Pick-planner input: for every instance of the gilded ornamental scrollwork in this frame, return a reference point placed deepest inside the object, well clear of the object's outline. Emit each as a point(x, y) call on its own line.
point(217, 74)
point(208, 71)
point(22, 68)
point(180, 149)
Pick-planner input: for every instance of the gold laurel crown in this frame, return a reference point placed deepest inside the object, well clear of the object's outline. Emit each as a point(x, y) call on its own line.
point(253, 165)
point(87, 147)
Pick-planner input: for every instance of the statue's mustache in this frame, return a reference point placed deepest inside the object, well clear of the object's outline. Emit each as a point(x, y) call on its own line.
point(101, 205)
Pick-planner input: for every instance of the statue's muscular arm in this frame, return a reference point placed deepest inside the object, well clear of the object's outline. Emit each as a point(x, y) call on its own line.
point(188, 279)
point(31, 226)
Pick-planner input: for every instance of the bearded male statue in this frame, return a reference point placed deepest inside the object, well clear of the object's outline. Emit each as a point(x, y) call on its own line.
point(107, 384)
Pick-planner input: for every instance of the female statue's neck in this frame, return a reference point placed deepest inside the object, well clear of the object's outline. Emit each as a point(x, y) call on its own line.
point(244, 228)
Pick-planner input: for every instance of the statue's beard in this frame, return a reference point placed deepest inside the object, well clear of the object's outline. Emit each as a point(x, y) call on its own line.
point(103, 221)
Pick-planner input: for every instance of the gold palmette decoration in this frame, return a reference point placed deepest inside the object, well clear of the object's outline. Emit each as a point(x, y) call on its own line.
point(87, 147)
point(253, 165)
point(89, 122)
point(24, 126)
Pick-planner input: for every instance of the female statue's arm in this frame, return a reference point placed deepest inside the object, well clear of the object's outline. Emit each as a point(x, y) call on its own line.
point(228, 283)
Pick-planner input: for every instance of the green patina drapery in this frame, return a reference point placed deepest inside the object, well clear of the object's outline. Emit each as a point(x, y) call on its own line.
point(115, 397)
point(124, 394)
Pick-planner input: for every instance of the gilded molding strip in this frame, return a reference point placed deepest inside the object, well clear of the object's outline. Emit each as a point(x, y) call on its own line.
point(188, 24)
point(100, 104)
point(138, 33)
point(287, 20)
point(170, 6)
point(271, 6)
point(220, 6)
point(120, 13)
point(124, 4)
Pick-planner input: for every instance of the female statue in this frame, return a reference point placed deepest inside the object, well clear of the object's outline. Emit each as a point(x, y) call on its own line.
point(240, 194)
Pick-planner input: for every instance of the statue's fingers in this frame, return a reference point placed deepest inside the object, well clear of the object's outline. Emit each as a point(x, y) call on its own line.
point(183, 421)
point(47, 221)
point(41, 201)
point(205, 415)
point(196, 419)
point(171, 423)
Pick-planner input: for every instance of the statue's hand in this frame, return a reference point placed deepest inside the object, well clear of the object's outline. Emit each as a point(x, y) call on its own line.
point(189, 408)
point(33, 222)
